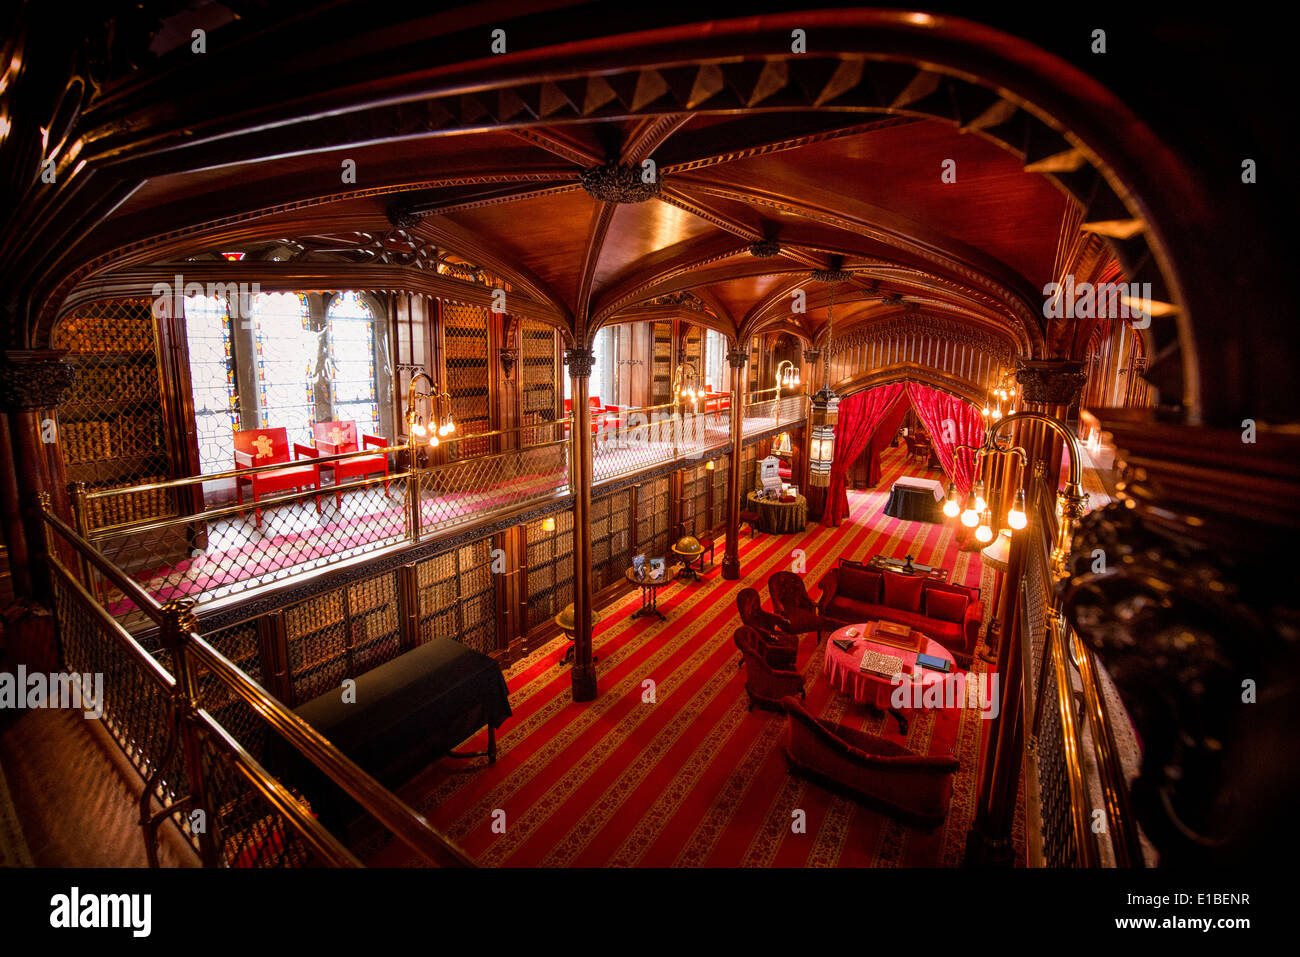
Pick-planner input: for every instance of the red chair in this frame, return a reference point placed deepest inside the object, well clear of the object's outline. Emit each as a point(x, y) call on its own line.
point(750, 518)
point(765, 684)
point(254, 447)
point(337, 438)
point(773, 629)
point(790, 600)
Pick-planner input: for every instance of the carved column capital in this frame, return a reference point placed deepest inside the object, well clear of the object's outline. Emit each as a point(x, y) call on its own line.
point(1050, 381)
point(811, 355)
point(737, 358)
point(34, 379)
point(579, 362)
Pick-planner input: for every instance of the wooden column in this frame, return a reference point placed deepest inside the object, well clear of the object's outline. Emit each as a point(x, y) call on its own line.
point(580, 476)
point(736, 359)
point(32, 385)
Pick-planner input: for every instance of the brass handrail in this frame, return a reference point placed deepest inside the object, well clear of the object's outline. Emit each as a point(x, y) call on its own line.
point(238, 473)
point(276, 794)
point(1071, 745)
point(408, 825)
point(411, 827)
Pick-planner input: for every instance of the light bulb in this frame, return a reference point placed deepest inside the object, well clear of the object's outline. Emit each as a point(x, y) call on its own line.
point(983, 534)
point(451, 425)
point(987, 412)
point(997, 414)
point(419, 429)
point(980, 503)
point(971, 517)
point(951, 508)
point(1016, 518)
point(433, 441)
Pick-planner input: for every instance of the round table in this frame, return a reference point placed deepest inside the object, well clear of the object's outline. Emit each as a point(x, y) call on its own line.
point(876, 693)
point(650, 590)
point(780, 518)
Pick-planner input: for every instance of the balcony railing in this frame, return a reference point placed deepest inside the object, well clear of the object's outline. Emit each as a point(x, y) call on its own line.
point(226, 549)
point(1074, 774)
point(158, 701)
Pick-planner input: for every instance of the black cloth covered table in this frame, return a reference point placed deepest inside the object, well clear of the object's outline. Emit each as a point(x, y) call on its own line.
point(408, 713)
point(913, 504)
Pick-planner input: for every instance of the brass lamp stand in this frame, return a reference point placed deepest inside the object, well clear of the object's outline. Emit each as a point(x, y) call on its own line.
point(439, 410)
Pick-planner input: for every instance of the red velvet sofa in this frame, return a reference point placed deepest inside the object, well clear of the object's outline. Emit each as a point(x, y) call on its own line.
point(950, 614)
point(885, 776)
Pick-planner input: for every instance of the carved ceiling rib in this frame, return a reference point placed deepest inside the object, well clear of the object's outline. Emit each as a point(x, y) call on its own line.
point(1017, 300)
point(448, 235)
point(650, 134)
point(560, 145)
point(789, 143)
point(602, 216)
point(311, 277)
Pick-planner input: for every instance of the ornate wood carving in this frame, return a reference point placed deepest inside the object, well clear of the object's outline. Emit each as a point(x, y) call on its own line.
point(579, 362)
point(1051, 381)
point(34, 380)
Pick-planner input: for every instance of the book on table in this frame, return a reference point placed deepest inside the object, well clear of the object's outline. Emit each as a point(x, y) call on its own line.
point(880, 664)
point(896, 635)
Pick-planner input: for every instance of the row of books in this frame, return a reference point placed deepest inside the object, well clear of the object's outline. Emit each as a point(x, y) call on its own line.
point(102, 334)
point(130, 506)
point(96, 439)
point(114, 383)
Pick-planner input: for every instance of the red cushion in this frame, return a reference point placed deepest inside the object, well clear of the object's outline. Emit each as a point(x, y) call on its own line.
point(859, 584)
point(945, 605)
point(903, 592)
point(972, 594)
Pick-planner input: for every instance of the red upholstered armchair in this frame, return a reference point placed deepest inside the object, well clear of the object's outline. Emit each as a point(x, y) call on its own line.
point(765, 684)
point(777, 653)
point(768, 626)
point(880, 774)
point(254, 447)
point(790, 600)
point(336, 438)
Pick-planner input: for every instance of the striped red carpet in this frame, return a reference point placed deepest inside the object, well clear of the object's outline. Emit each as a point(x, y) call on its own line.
point(667, 767)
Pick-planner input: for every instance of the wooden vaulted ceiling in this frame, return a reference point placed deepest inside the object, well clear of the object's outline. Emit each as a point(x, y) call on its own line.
point(867, 189)
point(838, 161)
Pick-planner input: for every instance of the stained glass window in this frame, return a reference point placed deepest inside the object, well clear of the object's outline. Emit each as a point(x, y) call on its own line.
point(212, 381)
point(287, 351)
point(352, 362)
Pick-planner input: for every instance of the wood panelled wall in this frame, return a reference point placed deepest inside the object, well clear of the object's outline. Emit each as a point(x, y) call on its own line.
point(972, 361)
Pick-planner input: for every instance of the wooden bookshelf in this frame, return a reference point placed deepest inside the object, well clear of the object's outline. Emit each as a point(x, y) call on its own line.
point(457, 596)
point(610, 538)
point(549, 565)
point(661, 382)
point(465, 357)
point(652, 513)
point(113, 424)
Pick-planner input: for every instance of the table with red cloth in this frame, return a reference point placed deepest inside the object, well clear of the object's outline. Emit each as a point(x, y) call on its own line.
point(845, 676)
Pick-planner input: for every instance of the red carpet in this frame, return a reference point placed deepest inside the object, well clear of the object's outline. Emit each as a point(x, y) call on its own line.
point(667, 767)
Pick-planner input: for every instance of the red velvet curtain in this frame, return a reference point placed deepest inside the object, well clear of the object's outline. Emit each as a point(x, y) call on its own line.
point(859, 415)
point(950, 422)
point(885, 433)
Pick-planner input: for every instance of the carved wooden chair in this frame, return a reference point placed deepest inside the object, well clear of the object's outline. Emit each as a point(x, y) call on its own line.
point(254, 447)
point(765, 683)
point(336, 438)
